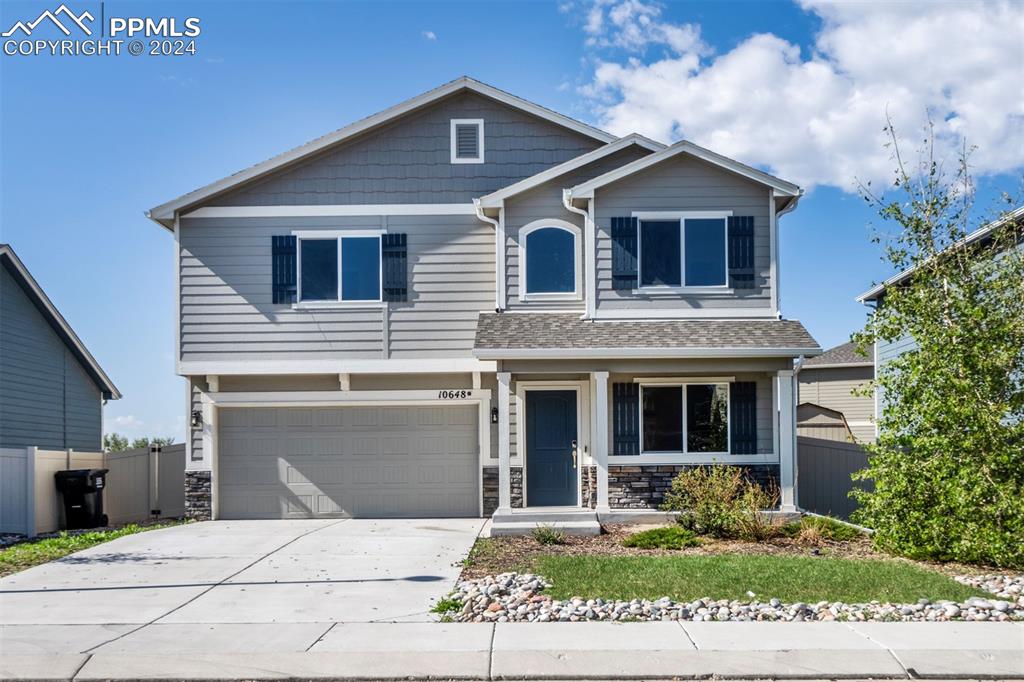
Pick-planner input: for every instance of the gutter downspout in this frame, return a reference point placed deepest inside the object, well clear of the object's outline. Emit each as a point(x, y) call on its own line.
point(791, 206)
point(499, 253)
point(590, 260)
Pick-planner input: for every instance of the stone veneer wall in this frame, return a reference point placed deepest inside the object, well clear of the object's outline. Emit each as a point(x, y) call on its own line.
point(588, 487)
point(490, 491)
point(644, 486)
point(198, 499)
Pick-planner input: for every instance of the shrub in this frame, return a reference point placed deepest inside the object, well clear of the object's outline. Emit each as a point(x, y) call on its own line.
point(667, 537)
point(447, 605)
point(548, 535)
point(813, 530)
point(721, 502)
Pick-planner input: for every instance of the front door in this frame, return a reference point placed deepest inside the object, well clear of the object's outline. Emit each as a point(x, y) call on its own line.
point(551, 474)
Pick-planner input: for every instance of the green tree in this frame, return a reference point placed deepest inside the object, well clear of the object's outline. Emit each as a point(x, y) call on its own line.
point(948, 467)
point(114, 442)
point(146, 441)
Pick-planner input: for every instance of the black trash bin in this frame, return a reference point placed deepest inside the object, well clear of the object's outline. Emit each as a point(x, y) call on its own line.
point(82, 490)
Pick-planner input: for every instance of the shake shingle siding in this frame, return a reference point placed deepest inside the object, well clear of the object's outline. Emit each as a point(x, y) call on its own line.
point(409, 160)
point(683, 184)
point(228, 313)
point(545, 202)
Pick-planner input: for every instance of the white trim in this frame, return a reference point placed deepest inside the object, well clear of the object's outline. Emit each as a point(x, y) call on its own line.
point(787, 438)
point(346, 398)
point(614, 353)
point(683, 385)
point(504, 445)
point(682, 217)
point(479, 123)
point(685, 313)
point(502, 258)
point(585, 190)
point(337, 234)
point(600, 452)
point(678, 381)
point(323, 366)
point(691, 458)
point(582, 426)
point(177, 290)
point(339, 305)
point(577, 246)
point(835, 365)
point(329, 210)
point(339, 237)
point(773, 257)
point(166, 211)
point(495, 199)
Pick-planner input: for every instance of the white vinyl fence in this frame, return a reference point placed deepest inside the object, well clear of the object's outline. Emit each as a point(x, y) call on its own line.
point(142, 483)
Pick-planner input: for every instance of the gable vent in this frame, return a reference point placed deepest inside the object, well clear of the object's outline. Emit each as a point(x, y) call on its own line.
point(467, 141)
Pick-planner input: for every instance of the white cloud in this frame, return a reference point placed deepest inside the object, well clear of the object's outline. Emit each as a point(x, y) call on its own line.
point(429, 35)
point(124, 422)
point(818, 118)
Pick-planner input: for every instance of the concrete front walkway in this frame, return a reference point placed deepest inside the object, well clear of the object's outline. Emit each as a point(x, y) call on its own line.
point(564, 651)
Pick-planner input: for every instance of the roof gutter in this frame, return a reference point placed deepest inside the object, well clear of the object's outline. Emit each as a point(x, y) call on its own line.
point(625, 353)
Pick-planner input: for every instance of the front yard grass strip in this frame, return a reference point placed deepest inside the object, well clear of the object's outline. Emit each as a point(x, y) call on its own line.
point(34, 552)
point(731, 576)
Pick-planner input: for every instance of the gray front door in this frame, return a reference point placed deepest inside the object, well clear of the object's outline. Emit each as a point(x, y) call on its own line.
point(551, 474)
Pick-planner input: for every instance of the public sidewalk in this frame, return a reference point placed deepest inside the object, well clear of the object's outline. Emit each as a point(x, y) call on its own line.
point(536, 651)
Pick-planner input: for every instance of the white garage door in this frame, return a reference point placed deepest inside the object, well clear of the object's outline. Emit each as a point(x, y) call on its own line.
point(368, 462)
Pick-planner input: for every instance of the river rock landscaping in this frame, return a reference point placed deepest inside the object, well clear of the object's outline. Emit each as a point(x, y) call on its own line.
point(516, 597)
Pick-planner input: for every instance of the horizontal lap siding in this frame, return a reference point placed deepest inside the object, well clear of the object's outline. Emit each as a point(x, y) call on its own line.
point(833, 388)
point(409, 160)
point(46, 397)
point(545, 202)
point(683, 184)
point(227, 311)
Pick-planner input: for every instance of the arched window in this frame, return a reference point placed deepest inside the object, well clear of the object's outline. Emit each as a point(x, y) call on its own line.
point(549, 260)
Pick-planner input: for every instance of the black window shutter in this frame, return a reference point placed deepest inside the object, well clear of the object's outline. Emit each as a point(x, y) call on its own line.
point(624, 238)
point(282, 250)
point(743, 411)
point(625, 419)
point(394, 263)
point(741, 252)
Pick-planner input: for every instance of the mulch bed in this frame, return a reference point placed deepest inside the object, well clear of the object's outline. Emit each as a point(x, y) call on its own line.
point(492, 556)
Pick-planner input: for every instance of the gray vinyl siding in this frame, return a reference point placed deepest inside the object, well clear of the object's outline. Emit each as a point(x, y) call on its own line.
point(196, 387)
point(683, 184)
point(545, 202)
point(886, 351)
point(46, 397)
point(833, 388)
point(227, 313)
point(409, 160)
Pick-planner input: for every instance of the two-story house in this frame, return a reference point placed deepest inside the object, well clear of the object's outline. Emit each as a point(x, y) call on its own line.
point(469, 304)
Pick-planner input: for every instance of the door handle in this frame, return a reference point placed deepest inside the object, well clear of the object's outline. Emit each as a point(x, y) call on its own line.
point(574, 454)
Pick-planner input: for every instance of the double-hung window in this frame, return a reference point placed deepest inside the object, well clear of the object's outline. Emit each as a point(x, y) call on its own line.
point(684, 418)
point(342, 268)
point(683, 250)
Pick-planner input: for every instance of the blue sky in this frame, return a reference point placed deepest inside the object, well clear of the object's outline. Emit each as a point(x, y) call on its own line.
point(89, 143)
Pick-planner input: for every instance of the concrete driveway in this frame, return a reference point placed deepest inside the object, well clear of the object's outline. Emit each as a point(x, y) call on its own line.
point(249, 584)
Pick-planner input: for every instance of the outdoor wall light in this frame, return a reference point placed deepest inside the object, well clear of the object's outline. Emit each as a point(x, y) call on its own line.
point(197, 419)
point(494, 415)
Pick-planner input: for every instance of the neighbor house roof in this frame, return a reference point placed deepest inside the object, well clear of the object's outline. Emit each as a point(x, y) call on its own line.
point(844, 355)
point(981, 234)
point(42, 302)
point(494, 199)
point(164, 213)
point(585, 190)
point(562, 335)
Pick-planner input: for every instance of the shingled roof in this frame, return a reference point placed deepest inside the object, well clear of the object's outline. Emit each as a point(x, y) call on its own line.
point(846, 354)
point(539, 335)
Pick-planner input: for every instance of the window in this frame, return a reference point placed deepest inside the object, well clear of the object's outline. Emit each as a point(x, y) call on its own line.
point(687, 418)
point(358, 278)
point(467, 143)
point(683, 251)
point(549, 258)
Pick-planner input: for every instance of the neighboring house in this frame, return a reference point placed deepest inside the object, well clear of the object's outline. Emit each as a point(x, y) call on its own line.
point(829, 381)
point(886, 351)
point(52, 390)
point(468, 303)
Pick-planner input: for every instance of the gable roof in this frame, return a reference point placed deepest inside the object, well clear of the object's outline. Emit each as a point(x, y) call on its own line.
point(981, 234)
point(164, 213)
point(585, 190)
point(844, 355)
point(42, 302)
point(494, 199)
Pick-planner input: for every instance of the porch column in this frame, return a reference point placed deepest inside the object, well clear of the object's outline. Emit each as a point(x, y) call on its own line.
point(600, 384)
point(504, 446)
point(787, 439)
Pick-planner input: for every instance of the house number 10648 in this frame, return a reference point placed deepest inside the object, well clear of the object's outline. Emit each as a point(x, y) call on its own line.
point(453, 395)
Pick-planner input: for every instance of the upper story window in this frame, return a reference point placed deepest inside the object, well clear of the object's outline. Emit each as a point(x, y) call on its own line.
point(683, 250)
point(549, 261)
point(343, 268)
point(686, 418)
point(467, 142)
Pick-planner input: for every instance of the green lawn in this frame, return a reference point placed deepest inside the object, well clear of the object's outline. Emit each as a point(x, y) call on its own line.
point(28, 554)
point(730, 576)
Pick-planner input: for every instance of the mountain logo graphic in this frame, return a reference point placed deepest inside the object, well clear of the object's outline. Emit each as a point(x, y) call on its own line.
point(78, 20)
